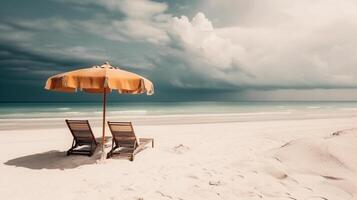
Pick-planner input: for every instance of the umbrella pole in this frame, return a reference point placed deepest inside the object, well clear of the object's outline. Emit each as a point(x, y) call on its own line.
point(104, 108)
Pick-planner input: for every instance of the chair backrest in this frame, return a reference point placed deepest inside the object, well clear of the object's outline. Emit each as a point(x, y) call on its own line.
point(80, 130)
point(123, 134)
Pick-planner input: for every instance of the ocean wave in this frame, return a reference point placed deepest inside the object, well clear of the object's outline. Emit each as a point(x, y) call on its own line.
point(130, 112)
point(63, 108)
point(314, 107)
point(252, 114)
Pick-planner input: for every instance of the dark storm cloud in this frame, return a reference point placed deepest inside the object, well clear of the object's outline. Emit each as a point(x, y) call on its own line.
point(15, 53)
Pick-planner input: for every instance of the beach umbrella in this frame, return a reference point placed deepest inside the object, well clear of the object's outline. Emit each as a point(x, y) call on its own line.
point(100, 79)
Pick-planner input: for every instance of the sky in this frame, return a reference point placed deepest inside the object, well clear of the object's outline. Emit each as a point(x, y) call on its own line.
point(226, 50)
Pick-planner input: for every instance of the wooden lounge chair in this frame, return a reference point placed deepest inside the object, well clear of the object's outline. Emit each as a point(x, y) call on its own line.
point(84, 142)
point(124, 138)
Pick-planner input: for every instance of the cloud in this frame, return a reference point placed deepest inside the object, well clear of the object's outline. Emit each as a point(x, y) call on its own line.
point(13, 33)
point(77, 52)
point(196, 56)
point(143, 20)
point(279, 45)
point(127, 30)
point(252, 45)
point(199, 35)
point(137, 9)
point(23, 63)
point(263, 45)
point(132, 9)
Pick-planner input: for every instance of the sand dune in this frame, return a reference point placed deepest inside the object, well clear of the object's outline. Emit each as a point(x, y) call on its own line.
point(325, 165)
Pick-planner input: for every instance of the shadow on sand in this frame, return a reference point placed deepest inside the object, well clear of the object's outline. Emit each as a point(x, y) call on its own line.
point(58, 159)
point(53, 160)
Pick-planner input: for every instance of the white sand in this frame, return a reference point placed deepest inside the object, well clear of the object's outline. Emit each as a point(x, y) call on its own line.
point(293, 159)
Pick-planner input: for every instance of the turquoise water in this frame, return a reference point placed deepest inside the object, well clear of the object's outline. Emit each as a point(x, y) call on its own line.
point(60, 110)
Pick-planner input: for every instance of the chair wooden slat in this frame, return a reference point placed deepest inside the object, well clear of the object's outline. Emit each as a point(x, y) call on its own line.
point(82, 135)
point(124, 136)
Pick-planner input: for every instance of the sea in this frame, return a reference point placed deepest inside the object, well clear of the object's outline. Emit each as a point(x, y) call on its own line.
point(241, 110)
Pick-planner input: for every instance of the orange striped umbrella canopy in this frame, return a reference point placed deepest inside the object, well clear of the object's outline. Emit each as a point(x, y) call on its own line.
point(96, 79)
point(100, 79)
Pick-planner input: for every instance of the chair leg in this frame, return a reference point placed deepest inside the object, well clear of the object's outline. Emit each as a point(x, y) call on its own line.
point(92, 149)
point(110, 153)
point(74, 145)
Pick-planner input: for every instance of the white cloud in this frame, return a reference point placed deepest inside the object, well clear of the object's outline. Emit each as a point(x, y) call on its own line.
point(140, 8)
point(199, 36)
point(305, 44)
